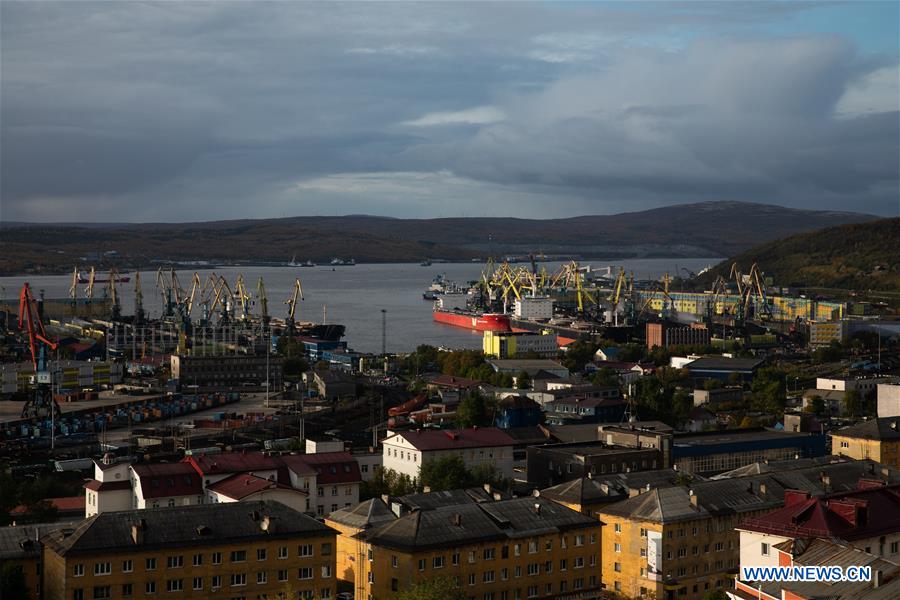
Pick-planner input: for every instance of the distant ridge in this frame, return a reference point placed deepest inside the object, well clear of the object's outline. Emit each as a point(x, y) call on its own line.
point(859, 256)
point(706, 229)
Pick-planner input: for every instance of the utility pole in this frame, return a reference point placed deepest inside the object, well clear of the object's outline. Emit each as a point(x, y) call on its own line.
point(384, 340)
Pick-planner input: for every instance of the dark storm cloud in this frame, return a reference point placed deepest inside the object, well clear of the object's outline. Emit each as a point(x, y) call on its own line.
point(182, 111)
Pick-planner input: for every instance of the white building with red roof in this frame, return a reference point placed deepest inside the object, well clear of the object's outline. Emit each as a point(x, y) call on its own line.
point(244, 487)
point(406, 451)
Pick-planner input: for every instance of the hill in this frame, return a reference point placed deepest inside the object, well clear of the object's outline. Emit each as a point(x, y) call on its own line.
point(861, 256)
point(707, 229)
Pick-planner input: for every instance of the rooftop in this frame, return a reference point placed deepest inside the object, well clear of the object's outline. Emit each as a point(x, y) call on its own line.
point(199, 525)
point(476, 523)
point(881, 428)
point(242, 485)
point(161, 480)
point(231, 462)
point(447, 439)
point(723, 363)
point(364, 515)
point(329, 467)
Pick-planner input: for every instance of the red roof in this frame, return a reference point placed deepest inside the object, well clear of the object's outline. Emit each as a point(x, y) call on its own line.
point(242, 485)
point(231, 462)
point(864, 513)
point(452, 381)
point(107, 486)
point(329, 467)
point(446, 439)
point(162, 480)
point(64, 504)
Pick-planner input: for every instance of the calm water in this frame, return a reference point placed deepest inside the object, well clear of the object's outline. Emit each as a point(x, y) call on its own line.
point(354, 296)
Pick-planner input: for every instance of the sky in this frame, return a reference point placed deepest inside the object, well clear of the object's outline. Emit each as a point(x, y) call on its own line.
point(192, 111)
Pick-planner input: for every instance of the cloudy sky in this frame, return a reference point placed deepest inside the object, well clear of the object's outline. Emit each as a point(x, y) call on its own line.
point(178, 111)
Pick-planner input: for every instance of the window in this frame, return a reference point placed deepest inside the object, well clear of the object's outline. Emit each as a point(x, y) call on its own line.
point(334, 490)
point(238, 579)
point(217, 558)
point(101, 591)
point(127, 566)
point(617, 547)
point(437, 562)
point(548, 545)
point(719, 546)
point(282, 552)
point(238, 556)
point(488, 577)
point(682, 552)
point(471, 557)
point(127, 589)
point(282, 575)
point(326, 571)
point(518, 571)
point(643, 532)
point(216, 582)
point(174, 585)
point(532, 591)
point(305, 573)
point(262, 577)
point(333, 507)
point(395, 584)
point(504, 574)
point(78, 594)
point(150, 564)
point(198, 560)
point(618, 528)
point(563, 564)
point(517, 549)
point(394, 561)
point(532, 547)
point(326, 549)
point(894, 547)
point(471, 578)
point(421, 564)
point(533, 569)
point(579, 540)
point(305, 550)
point(174, 562)
point(198, 583)
point(489, 553)
point(617, 567)
point(325, 593)
point(78, 570)
point(150, 587)
point(764, 548)
point(454, 558)
point(593, 560)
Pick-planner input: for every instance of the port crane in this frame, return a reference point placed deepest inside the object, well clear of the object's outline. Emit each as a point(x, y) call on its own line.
point(42, 404)
point(292, 304)
point(138, 300)
point(89, 289)
point(263, 301)
point(113, 294)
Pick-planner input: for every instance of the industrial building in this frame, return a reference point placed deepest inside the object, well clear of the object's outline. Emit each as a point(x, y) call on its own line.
point(497, 344)
point(69, 375)
point(664, 335)
point(227, 371)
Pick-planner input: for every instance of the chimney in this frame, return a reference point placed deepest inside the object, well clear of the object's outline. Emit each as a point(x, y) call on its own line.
point(537, 508)
point(826, 481)
point(693, 498)
point(762, 489)
point(426, 489)
point(457, 519)
point(487, 488)
point(385, 498)
point(497, 496)
point(265, 523)
point(876, 578)
point(137, 531)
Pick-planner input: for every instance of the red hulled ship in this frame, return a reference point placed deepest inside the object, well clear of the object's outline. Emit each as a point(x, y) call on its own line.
point(471, 320)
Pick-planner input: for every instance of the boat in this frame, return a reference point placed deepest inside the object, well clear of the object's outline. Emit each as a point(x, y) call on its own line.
point(82, 278)
point(425, 263)
point(308, 263)
point(293, 262)
point(430, 295)
point(472, 320)
point(341, 262)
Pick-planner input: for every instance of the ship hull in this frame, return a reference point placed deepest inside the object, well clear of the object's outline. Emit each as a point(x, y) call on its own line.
point(484, 322)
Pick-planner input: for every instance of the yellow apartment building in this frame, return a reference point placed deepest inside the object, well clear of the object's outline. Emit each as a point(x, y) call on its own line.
point(20, 549)
point(498, 550)
point(258, 550)
point(876, 439)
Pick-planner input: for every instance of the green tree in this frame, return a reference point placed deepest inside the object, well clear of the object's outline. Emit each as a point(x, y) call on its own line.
point(523, 380)
point(817, 405)
point(447, 473)
point(578, 354)
point(715, 595)
point(440, 588)
point(854, 403)
point(605, 377)
point(473, 410)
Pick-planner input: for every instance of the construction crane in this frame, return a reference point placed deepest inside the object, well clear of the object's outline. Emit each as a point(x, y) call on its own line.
point(73, 289)
point(113, 295)
point(292, 304)
point(761, 307)
point(224, 301)
point(243, 296)
point(42, 405)
point(138, 300)
point(89, 289)
point(263, 301)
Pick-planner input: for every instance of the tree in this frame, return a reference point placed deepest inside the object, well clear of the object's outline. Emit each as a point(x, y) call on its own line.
point(523, 380)
point(715, 595)
point(440, 588)
point(817, 404)
point(605, 377)
point(854, 403)
point(578, 354)
point(386, 482)
point(473, 411)
point(447, 473)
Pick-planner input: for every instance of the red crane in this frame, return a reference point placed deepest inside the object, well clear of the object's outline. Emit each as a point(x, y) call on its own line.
point(42, 405)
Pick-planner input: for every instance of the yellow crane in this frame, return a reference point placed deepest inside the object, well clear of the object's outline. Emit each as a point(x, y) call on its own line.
point(189, 299)
point(73, 289)
point(292, 303)
point(243, 296)
point(263, 300)
point(89, 290)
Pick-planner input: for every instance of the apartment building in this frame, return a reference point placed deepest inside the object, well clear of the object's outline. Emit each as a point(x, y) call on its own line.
point(406, 451)
point(258, 549)
point(315, 483)
point(876, 439)
point(500, 550)
point(681, 542)
point(867, 518)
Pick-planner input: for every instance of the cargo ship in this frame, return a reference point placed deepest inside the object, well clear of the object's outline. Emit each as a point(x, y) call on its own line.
point(472, 320)
point(82, 278)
